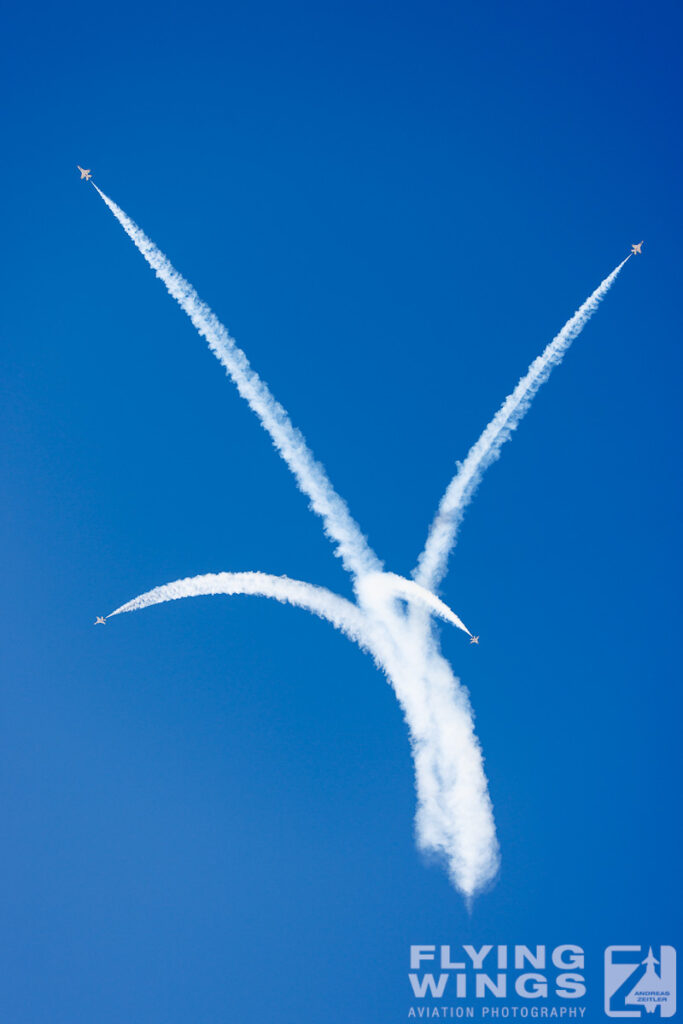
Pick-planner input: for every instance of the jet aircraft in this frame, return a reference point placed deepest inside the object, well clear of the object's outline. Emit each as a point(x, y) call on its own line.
point(100, 621)
point(636, 248)
point(474, 640)
point(84, 174)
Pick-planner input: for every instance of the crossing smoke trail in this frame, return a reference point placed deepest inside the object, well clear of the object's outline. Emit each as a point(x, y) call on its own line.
point(375, 585)
point(431, 566)
point(454, 818)
point(391, 618)
point(351, 545)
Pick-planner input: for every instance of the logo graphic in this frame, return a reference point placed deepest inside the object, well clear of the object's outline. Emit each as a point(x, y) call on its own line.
point(637, 981)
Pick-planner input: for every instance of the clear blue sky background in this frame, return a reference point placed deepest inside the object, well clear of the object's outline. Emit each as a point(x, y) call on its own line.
point(207, 807)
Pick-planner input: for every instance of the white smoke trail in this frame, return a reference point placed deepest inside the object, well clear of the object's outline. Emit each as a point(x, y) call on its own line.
point(454, 817)
point(377, 585)
point(432, 563)
point(343, 614)
point(351, 545)
point(454, 820)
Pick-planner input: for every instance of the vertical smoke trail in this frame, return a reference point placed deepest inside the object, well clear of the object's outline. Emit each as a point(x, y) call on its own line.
point(431, 566)
point(454, 819)
point(350, 544)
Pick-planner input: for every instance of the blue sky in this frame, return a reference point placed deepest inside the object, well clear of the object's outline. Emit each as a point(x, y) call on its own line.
point(208, 807)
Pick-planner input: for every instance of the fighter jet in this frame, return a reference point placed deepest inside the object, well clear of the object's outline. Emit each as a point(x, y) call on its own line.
point(474, 640)
point(84, 174)
point(100, 621)
point(636, 248)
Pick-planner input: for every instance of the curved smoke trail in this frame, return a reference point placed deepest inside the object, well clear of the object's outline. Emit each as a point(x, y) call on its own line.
point(377, 585)
point(343, 614)
point(431, 566)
